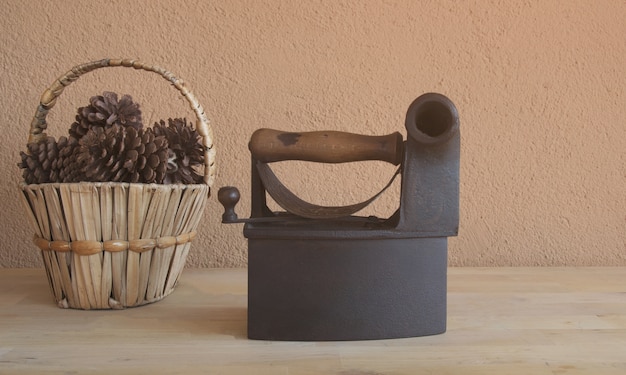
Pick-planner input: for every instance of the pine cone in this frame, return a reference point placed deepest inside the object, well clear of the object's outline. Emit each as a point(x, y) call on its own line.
point(38, 163)
point(123, 154)
point(104, 111)
point(65, 167)
point(186, 151)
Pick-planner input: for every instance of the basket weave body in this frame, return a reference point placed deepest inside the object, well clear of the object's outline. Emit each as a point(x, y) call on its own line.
point(109, 245)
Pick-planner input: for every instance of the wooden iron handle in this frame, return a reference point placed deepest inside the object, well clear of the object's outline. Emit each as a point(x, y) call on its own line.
point(269, 145)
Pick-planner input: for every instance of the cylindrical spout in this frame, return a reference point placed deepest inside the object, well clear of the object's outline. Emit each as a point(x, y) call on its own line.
point(432, 119)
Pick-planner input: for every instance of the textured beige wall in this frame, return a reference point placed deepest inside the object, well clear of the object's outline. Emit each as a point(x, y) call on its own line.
point(539, 86)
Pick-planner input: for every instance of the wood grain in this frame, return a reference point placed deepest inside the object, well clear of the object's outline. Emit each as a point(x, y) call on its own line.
point(500, 321)
point(269, 145)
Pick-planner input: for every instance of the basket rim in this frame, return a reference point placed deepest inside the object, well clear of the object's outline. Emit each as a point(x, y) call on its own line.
point(24, 185)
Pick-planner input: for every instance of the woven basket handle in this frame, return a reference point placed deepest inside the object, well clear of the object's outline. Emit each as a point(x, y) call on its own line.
point(49, 98)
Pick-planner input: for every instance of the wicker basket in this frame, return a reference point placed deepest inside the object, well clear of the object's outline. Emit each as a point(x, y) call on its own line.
point(112, 245)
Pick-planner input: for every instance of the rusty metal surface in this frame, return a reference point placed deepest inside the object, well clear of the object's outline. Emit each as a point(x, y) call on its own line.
point(355, 289)
point(353, 278)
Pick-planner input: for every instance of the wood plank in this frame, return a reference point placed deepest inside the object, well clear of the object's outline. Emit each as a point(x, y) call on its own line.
point(500, 321)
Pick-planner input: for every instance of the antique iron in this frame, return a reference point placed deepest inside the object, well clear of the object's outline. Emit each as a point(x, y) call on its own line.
point(321, 273)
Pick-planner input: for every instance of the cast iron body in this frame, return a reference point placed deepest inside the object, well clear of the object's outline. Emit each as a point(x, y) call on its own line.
point(357, 278)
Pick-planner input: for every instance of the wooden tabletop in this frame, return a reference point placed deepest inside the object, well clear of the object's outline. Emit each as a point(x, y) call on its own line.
point(500, 321)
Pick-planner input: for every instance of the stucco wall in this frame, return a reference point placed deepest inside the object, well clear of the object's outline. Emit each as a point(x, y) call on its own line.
point(539, 86)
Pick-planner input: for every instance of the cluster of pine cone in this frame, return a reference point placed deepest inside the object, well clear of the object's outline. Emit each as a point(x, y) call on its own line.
point(107, 142)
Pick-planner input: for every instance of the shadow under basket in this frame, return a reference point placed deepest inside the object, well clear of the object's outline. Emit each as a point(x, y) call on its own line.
point(131, 240)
